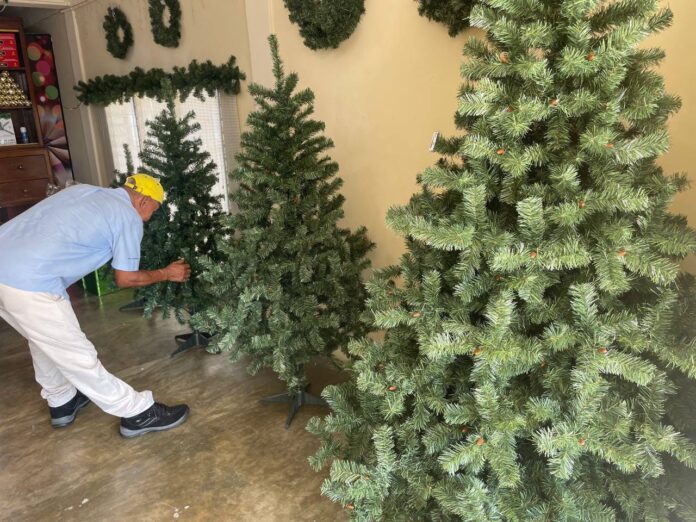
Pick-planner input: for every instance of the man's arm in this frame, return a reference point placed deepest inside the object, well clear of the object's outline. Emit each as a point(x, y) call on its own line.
point(179, 271)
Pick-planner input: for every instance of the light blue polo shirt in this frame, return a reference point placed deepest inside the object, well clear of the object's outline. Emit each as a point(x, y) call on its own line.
point(68, 235)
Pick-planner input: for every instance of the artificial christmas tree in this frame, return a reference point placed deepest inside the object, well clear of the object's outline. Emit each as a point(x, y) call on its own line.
point(288, 288)
point(529, 327)
point(120, 177)
point(185, 226)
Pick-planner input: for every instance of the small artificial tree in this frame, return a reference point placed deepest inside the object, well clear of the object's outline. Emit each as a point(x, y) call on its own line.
point(120, 177)
point(289, 287)
point(533, 333)
point(185, 226)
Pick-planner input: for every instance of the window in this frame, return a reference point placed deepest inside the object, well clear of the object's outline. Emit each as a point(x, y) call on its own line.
point(220, 131)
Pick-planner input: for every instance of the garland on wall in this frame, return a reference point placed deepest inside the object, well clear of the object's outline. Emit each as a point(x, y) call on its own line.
point(325, 24)
point(196, 79)
point(165, 35)
point(453, 13)
point(115, 20)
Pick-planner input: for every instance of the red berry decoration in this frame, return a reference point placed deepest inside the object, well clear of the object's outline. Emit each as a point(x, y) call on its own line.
point(621, 253)
point(603, 350)
point(591, 57)
point(500, 152)
point(416, 315)
point(392, 388)
point(554, 102)
point(581, 441)
point(610, 145)
point(465, 429)
point(582, 203)
point(504, 57)
point(477, 351)
point(480, 441)
point(533, 254)
point(350, 506)
point(509, 109)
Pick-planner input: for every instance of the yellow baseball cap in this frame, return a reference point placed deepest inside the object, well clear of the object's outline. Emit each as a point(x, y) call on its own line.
point(146, 185)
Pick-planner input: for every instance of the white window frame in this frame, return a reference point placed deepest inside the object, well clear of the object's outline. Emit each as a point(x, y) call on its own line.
point(223, 152)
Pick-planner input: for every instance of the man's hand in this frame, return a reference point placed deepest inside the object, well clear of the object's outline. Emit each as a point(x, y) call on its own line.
point(179, 271)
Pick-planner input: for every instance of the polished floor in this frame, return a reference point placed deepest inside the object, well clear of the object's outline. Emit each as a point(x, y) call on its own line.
point(231, 461)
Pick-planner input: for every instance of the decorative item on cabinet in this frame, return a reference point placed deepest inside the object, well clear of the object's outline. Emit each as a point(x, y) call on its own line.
point(44, 78)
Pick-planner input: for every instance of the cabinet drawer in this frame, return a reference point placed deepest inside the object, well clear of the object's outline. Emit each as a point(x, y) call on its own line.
point(15, 168)
point(22, 192)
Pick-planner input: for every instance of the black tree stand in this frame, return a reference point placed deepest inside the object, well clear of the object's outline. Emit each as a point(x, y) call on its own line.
point(296, 400)
point(190, 340)
point(138, 304)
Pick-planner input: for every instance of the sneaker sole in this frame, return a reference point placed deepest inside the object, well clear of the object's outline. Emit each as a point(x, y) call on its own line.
point(62, 422)
point(129, 434)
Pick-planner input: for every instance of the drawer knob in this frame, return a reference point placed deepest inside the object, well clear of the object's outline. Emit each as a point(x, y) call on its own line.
point(26, 191)
point(20, 167)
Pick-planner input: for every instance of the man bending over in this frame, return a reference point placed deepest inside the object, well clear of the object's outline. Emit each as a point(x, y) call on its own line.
point(49, 247)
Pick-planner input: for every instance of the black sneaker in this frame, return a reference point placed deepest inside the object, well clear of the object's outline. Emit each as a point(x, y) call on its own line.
point(157, 417)
point(64, 415)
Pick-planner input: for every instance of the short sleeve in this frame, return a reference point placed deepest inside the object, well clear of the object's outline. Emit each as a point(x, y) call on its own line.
point(126, 247)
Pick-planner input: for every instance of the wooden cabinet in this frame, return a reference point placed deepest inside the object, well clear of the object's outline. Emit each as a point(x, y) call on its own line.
point(25, 169)
point(24, 177)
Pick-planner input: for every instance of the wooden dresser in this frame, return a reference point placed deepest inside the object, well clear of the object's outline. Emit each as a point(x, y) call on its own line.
point(24, 177)
point(25, 169)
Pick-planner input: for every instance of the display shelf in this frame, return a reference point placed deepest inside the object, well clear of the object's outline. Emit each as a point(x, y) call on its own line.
point(20, 145)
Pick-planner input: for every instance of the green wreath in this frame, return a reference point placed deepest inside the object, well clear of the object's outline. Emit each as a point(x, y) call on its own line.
point(325, 23)
point(168, 36)
point(114, 21)
point(453, 13)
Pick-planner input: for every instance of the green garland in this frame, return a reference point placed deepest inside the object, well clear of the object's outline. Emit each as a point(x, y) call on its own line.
point(453, 13)
point(195, 79)
point(114, 20)
point(168, 36)
point(325, 24)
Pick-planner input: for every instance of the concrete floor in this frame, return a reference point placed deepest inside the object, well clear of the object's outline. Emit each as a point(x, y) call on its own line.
point(231, 461)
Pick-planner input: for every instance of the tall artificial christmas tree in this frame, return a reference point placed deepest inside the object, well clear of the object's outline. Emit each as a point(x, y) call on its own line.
point(532, 328)
point(289, 287)
point(186, 225)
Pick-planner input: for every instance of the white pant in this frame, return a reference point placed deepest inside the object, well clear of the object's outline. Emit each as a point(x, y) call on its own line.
point(64, 359)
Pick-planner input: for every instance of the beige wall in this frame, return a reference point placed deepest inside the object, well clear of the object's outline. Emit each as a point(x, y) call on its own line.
point(211, 30)
point(679, 71)
point(382, 93)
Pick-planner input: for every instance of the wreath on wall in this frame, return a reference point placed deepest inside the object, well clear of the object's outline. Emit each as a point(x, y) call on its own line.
point(165, 35)
point(325, 24)
point(115, 22)
point(453, 13)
